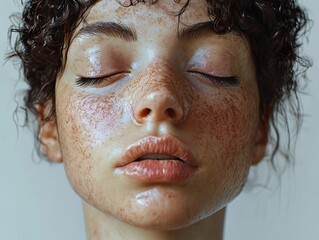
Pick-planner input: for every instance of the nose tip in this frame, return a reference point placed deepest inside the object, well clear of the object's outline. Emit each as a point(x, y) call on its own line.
point(157, 107)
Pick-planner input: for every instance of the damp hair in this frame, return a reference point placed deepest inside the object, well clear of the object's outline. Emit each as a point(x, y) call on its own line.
point(273, 28)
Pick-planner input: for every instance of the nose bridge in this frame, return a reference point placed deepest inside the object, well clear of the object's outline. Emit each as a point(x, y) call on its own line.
point(160, 95)
point(161, 77)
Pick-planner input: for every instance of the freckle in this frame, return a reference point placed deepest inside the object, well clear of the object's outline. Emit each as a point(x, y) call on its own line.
point(93, 117)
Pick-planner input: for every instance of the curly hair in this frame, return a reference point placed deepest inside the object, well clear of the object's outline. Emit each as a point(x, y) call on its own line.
point(273, 28)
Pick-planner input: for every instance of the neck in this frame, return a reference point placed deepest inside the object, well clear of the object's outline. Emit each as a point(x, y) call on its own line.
point(100, 226)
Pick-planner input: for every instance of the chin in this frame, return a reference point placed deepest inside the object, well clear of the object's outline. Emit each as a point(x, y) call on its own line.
point(159, 218)
point(162, 209)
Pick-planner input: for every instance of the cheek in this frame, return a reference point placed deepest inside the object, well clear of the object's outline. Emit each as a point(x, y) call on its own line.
point(90, 120)
point(226, 130)
point(224, 138)
point(84, 123)
point(227, 119)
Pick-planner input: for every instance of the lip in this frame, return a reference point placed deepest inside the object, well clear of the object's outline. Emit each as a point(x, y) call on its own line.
point(153, 170)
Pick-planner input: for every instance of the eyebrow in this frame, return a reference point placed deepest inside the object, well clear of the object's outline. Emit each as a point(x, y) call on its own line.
point(122, 31)
point(110, 29)
point(195, 30)
point(204, 28)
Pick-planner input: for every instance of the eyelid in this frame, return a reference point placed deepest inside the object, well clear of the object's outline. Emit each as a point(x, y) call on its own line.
point(225, 80)
point(90, 81)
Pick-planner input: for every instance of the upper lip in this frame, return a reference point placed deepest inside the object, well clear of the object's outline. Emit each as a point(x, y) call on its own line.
point(157, 145)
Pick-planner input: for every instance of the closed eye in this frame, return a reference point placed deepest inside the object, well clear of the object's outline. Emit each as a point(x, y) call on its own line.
point(97, 81)
point(225, 81)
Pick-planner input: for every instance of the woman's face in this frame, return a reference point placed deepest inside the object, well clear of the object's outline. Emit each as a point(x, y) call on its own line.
point(158, 123)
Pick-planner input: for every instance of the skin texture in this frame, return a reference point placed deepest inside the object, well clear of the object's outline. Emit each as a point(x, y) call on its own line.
point(94, 125)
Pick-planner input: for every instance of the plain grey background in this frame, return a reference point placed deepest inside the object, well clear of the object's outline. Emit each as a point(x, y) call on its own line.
point(37, 203)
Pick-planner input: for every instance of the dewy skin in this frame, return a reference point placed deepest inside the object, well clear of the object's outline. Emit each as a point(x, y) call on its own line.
point(157, 130)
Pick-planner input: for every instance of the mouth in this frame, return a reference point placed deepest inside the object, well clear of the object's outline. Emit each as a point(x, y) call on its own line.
point(156, 148)
point(158, 160)
point(164, 157)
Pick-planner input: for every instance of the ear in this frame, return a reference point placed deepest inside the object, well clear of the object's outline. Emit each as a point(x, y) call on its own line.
point(261, 140)
point(48, 135)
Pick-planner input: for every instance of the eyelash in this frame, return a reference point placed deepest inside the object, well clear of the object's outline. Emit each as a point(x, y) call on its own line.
point(86, 82)
point(225, 81)
point(228, 81)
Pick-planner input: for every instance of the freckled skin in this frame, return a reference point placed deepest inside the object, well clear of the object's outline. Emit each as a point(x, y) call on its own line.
point(96, 124)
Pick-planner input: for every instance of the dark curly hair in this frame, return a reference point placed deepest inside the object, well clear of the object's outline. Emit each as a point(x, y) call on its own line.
point(273, 28)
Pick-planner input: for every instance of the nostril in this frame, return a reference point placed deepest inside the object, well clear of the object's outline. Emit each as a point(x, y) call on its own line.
point(171, 113)
point(157, 107)
point(145, 112)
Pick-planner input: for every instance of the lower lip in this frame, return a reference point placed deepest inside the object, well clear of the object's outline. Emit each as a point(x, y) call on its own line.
point(159, 171)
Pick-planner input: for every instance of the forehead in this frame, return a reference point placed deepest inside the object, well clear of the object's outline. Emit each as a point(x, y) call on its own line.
point(122, 11)
point(160, 18)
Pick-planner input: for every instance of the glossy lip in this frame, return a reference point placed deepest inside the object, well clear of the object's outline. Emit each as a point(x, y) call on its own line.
point(177, 170)
point(156, 145)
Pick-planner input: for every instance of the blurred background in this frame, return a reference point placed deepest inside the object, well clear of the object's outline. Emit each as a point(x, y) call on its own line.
point(37, 203)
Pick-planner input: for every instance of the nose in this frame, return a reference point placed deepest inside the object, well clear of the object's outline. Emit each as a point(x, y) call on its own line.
point(158, 106)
